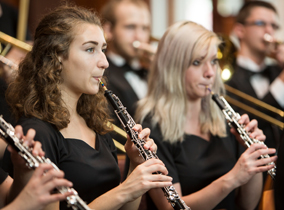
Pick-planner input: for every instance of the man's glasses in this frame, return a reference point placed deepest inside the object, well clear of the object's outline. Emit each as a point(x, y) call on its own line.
point(262, 23)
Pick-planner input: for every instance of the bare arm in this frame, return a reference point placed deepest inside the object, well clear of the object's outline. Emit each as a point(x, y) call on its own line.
point(127, 194)
point(243, 174)
point(40, 182)
point(4, 190)
point(250, 193)
point(38, 189)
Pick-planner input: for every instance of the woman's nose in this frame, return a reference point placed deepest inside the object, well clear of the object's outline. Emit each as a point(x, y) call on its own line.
point(103, 63)
point(209, 70)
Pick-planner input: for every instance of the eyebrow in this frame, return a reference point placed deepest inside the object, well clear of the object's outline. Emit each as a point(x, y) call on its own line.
point(203, 57)
point(95, 43)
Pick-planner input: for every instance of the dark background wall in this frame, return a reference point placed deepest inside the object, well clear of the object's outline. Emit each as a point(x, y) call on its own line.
point(37, 8)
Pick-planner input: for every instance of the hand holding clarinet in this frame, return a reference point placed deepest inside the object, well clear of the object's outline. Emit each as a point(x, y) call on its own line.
point(248, 133)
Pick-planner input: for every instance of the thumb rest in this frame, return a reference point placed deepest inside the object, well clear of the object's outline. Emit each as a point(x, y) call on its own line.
point(232, 118)
point(8, 132)
point(128, 123)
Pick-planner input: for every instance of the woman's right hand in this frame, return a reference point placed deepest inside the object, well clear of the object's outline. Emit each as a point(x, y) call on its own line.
point(142, 179)
point(250, 164)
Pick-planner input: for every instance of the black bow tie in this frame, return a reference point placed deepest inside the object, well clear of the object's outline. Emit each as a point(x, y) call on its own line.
point(142, 73)
point(265, 73)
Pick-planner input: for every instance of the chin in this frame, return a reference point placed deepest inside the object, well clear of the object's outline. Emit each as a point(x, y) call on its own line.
point(93, 91)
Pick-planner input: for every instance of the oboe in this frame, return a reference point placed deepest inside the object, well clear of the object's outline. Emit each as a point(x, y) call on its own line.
point(8, 132)
point(232, 118)
point(128, 123)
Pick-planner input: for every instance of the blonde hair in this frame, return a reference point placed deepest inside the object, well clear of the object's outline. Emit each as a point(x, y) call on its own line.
point(166, 100)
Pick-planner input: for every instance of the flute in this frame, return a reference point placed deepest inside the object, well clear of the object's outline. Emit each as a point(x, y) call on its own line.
point(232, 118)
point(8, 133)
point(128, 123)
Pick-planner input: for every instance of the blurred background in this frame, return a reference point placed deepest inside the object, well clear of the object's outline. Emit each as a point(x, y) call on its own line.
point(217, 15)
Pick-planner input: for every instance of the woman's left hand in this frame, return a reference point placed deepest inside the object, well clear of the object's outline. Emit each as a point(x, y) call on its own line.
point(251, 128)
point(131, 149)
point(28, 141)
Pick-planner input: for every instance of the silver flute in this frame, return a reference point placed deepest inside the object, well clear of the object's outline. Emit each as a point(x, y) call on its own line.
point(232, 118)
point(8, 133)
point(128, 123)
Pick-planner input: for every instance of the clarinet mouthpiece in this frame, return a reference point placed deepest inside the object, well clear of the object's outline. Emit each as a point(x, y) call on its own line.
point(102, 84)
point(212, 93)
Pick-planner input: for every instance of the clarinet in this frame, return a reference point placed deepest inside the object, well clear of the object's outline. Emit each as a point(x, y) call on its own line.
point(128, 123)
point(8, 133)
point(232, 118)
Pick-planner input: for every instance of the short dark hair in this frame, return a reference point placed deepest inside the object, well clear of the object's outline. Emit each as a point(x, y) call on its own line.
point(247, 7)
point(108, 11)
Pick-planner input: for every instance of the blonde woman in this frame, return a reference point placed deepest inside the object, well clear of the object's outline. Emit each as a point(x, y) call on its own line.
point(208, 166)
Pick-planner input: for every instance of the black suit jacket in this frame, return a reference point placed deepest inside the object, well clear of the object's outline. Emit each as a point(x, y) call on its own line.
point(118, 84)
point(241, 81)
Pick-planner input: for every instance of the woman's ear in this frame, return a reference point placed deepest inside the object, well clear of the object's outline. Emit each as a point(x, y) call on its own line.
point(59, 59)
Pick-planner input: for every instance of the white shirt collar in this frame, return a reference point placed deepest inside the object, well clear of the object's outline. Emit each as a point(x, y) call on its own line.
point(116, 59)
point(120, 61)
point(250, 65)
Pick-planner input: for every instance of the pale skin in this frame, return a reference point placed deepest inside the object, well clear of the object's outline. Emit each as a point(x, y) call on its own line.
point(132, 24)
point(81, 72)
point(245, 175)
point(38, 189)
point(252, 42)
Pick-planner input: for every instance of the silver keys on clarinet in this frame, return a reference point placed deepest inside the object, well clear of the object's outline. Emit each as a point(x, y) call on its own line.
point(232, 118)
point(8, 133)
point(128, 123)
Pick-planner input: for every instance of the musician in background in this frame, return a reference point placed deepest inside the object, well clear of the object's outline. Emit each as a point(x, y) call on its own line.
point(254, 73)
point(37, 193)
point(57, 92)
point(124, 22)
point(210, 169)
point(8, 25)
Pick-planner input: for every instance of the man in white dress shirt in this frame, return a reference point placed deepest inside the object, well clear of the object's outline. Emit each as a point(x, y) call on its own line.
point(126, 22)
point(255, 73)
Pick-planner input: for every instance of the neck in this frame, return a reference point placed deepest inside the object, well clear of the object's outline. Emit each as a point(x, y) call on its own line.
point(113, 50)
point(192, 125)
point(256, 56)
point(70, 101)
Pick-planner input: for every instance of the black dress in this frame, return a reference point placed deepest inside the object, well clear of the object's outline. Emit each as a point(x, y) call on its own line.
point(3, 176)
point(195, 163)
point(92, 171)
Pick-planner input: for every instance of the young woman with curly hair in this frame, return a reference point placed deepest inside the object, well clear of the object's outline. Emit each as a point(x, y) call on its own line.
point(57, 92)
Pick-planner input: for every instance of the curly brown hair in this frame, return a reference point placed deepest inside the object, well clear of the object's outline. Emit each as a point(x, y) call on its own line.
point(35, 92)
